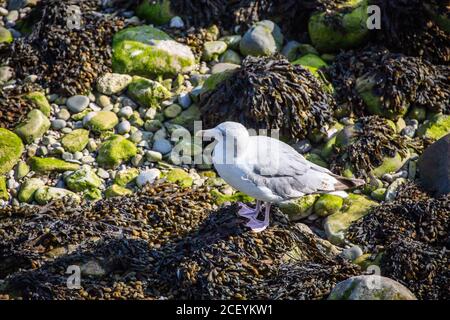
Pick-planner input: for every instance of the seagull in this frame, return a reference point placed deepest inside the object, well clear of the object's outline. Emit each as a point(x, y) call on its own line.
point(268, 170)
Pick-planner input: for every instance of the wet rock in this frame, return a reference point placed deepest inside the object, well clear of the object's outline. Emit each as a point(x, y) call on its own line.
point(299, 208)
point(115, 150)
point(45, 165)
point(435, 128)
point(100, 120)
point(40, 102)
point(83, 179)
point(113, 83)
point(147, 93)
point(76, 140)
point(156, 12)
point(434, 166)
point(11, 149)
point(34, 126)
point(148, 51)
point(213, 49)
point(77, 104)
point(126, 176)
point(47, 194)
point(328, 204)
point(370, 287)
point(263, 39)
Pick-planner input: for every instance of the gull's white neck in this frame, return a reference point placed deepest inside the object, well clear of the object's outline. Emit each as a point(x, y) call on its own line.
point(231, 149)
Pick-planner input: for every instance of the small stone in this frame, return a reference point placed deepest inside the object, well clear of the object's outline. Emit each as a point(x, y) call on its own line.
point(76, 140)
point(43, 165)
point(125, 112)
point(102, 173)
point(101, 120)
point(213, 49)
point(180, 177)
point(136, 136)
point(153, 156)
point(126, 176)
point(123, 127)
point(137, 160)
point(176, 22)
point(231, 56)
point(162, 146)
point(22, 170)
point(391, 192)
point(184, 100)
point(6, 73)
point(77, 104)
point(115, 150)
point(147, 177)
point(58, 124)
point(352, 253)
point(172, 111)
point(103, 101)
point(87, 160)
point(34, 127)
point(83, 179)
point(117, 191)
point(153, 125)
point(28, 189)
point(63, 114)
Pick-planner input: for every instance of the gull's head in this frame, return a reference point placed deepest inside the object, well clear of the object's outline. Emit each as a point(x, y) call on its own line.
point(224, 130)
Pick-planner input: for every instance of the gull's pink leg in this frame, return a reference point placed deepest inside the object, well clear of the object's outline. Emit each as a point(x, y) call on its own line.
point(248, 212)
point(258, 225)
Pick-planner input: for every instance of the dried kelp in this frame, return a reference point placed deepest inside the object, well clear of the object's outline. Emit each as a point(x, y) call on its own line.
point(270, 93)
point(397, 81)
point(413, 235)
point(406, 27)
point(67, 49)
point(366, 144)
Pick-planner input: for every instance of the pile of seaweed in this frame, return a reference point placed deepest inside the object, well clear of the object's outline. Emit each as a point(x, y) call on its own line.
point(67, 49)
point(270, 93)
point(397, 81)
point(163, 242)
point(413, 235)
point(366, 144)
point(407, 26)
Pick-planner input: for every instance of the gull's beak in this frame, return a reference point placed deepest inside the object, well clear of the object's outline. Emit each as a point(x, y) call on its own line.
point(210, 133)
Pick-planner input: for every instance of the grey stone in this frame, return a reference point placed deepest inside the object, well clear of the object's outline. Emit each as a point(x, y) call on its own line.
point(77, 104)
point(162, 146)
point(58, 124)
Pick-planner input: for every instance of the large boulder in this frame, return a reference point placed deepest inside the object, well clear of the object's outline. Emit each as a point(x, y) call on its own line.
point(370, 287)
point(11, 148)
point(434, 166)
point(148, 51)
point(115, 150)
point(34, 126)
point(343, 28)
point(264, 38)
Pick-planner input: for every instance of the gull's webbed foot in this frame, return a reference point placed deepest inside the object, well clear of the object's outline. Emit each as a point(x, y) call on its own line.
point(257, 225)
point(247, 212)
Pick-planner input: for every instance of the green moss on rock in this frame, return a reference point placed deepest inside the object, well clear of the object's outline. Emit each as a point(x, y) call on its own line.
point(44, 165)
point(28, 188)
point(312, 61)
point(115, 150)
point(300, 208)
point(126, 176)
point(117, 191)
point(5, 35)
point(83, 179)
point(34, 126)
point(47, 194)
point(180, 177)
point(76, 140)
point(328, 204)
point(147, 93)
point(4, 195)
point(220, 198)
point(157, 12)
point(11, 148)
point(435, 128)
point(101, 120)
point(39, 100)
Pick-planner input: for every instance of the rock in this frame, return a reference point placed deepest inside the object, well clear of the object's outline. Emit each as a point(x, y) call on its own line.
point(180, 177)
point(117, 191)
point(176, 22)
point(126, 176)
point(187, 117)
point(113, 83)
point(418, 113)
point(311, 62)
point(114, 151)
point(351, 17)
point(63, 114)
point(147, 177)
point(6, 74)
point(370, 287)
point(76, 140)
point(172, 111)
point(83, 179)
point(153, 125)
point(328, 204)
point(11, 149)
point(262, 39)
point(392, 190)
point(34, 126)
point(77, 104)
point(148, 51)
point(290, 50)
point(231, 56)
point(389, 165)
point(47, 194)
point(125, 112)
point(4, 195)
point(232, 41)
point(100, 120)
point(162, 146)
point(157, 12)
point(300, 208)
point(213, 49)
point(216, 78)
point(355, 207)
point(147, 93)
point(58, 124)
point(435, 128)
point(223, 67)
point(352, 253)
point(40, 102)
point(123, 127)
point(5, 35)
point(378, 194)
point(43, 165)
point(28, 188)
point(434, 167)
point(153, 156)
point(22, 170)
point(303, 146)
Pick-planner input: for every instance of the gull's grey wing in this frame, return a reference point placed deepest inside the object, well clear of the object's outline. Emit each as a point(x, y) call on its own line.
point(284, 171)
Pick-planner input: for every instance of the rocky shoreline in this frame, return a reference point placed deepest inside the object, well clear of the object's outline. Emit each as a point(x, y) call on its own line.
point(96, 149)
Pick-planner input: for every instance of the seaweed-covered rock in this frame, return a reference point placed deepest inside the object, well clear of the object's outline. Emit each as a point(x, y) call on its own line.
point(269, 93)
point(341, 29)
point(100, 120)
point(28, 188)
point(39, 101)
point(328, 204)
point(148, 51)
point(436, 127)
point(370, 287)
point(156, 12)
point(147, 93)
point(83, 179)
point(76, 140)
point(47, 194)
point(11, 148)
point(300, 208)
point(371, 145)
point(126, 176)
point(117, 191)
point(264, 38)
point(34, 127)
point(45, 165)
point(115, 150)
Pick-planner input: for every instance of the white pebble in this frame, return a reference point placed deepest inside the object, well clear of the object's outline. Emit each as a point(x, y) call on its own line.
point(147, 177)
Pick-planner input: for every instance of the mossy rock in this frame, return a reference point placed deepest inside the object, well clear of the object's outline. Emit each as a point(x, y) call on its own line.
point(126, 176)
point(35, 126)
point(312, 61)
point(45, 165)
point(157, 12)
point(92, 194)
point(355, 207)
point(367, 260)
point(76, 140)
point(213, 49)
point(343, 30)
point(5, 35)
point(83, 179)
point(115, 150)
point(147, 93)
point(215, 79)
point(300, 208)
point(101, 120)
point(28, 188)
point(117, 191)
point(435, 128)
point(39, 101)
point(187, 118)
point(47, 194)
point(11, 148)
point(328, 204)
point(390, 165)
point(180, 177)
point(147, 51)
point(220, 198)
point(4, 195)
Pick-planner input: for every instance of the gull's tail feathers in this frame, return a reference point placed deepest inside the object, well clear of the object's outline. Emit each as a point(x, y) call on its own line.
point(347, 183)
